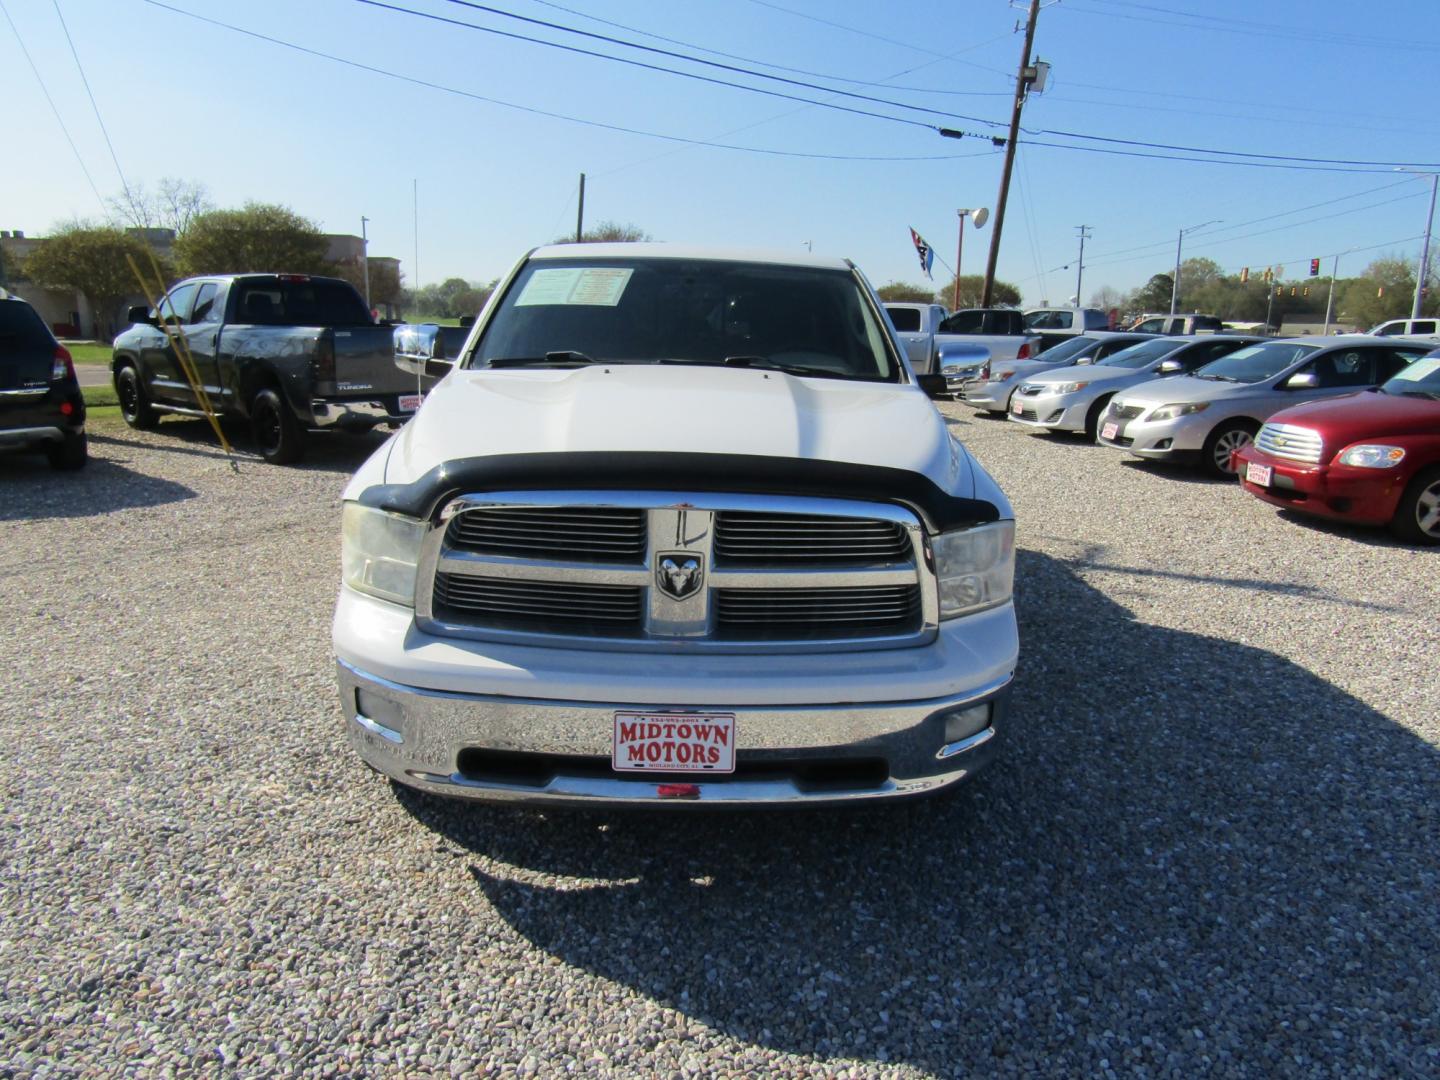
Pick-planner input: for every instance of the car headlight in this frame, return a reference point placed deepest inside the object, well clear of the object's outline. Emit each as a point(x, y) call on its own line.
point(976, 567)
point(1068, 387)
point(378, 552)
point(1173, 412)
point(1001, 376)
point(1373, 456)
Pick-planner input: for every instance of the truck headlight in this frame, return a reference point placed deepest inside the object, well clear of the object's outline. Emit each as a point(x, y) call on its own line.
point(1373, 456)
point(1174, 412)
point(378, 552)
point(975, 567)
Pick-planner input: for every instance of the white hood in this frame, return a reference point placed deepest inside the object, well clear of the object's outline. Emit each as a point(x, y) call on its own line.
point(660, 408)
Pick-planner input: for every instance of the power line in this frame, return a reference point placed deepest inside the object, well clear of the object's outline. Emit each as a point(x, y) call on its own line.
point(782, 67)
point(91, 95)
point(531, 110)
point(58, 118)
point(1199, 160)
point(674, 55)
point(1230, 25)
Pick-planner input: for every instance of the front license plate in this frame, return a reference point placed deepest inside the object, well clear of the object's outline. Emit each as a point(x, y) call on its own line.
point(1017, 407)
point(409, 402)
point(1258, 474)
point(668, 742)
point(1109, 431)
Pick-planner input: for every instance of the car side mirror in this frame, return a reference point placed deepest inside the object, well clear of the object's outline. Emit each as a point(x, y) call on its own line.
point(1170, 367)
point(1302, 380)
point(140, 314)
point(934, 386)
point(418, 346)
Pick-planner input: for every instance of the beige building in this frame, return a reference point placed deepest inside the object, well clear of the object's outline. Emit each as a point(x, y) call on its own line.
point(68, 313)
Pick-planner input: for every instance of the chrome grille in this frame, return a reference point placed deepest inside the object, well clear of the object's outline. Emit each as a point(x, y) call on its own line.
point(743, 539)
point(776, 573)
point(807, 613)
point(1289, 441)
point(569, 607)
point(582, 533)
point(1126, 412)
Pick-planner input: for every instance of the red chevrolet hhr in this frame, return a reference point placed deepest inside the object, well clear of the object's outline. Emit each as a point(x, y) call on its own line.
point(1371, 458)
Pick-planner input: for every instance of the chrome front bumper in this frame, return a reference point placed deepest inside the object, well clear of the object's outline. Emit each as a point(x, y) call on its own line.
point(507, 749)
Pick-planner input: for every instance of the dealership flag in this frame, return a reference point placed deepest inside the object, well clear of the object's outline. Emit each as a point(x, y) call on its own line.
point(926, 255)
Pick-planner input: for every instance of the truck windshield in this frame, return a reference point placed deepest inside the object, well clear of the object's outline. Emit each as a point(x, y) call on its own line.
point(804, 320)
point(1255, 363)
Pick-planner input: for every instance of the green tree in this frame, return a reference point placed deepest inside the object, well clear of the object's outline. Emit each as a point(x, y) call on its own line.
point(1154, 295)
point(972, 286)
point(257, 237)
point(92, 260)
point(904, 292)
point(451, 298)
point(608, 232)
point(1385, 290)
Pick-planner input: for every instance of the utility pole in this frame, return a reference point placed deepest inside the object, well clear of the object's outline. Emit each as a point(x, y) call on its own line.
point(415, 204)
point(580, 211)
point(1084, 231)
point(1425, 246)
point(1022, 83)
point(365, 257)
point(1175, 285)
point(1330, 300)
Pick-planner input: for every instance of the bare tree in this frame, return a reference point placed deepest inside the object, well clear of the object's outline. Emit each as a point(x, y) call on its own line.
point(174, 204)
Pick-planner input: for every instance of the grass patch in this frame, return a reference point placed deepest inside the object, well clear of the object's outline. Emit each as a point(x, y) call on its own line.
point(99, 397)
point(89, 354)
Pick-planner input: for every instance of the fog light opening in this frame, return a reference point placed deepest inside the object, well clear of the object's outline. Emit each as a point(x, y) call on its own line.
point(962, 723)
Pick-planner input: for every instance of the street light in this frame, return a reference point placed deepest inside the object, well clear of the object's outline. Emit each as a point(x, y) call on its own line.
point(1424, 247)
point(979, 215)
point(1175, 288)
point(365, 258)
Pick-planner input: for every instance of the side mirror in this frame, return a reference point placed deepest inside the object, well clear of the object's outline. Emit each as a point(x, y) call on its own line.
point(140, 314)
point(935, 387)
point(1170, 367)
point(1302, 380)
point(416, 346)
point(467, 321)
point(437, 367)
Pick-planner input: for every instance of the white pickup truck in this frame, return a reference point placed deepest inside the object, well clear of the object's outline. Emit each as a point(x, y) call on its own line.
point(929, 333)
point(677, 526)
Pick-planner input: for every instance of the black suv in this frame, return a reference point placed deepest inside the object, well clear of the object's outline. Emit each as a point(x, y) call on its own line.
point(41, 406)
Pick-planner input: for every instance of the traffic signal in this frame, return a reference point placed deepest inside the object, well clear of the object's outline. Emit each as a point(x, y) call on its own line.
point(1279, 290)
point(1314, 267)
point(1244, 274)
point(1292, 290)
point(1305, 291)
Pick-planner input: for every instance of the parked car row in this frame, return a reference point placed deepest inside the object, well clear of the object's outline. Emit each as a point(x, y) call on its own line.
point(1346, 428)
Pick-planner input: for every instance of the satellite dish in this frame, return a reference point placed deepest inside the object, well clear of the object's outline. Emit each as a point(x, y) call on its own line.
point(980, 217)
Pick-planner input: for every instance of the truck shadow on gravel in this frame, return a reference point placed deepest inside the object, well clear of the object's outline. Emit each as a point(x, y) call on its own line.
point(337, 452)
point(1193, 855)
point(30, 489)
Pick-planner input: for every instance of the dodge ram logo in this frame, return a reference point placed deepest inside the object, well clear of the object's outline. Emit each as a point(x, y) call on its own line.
point(678, 574)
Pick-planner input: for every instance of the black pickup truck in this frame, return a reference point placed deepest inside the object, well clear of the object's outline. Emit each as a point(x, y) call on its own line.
point(287, 352)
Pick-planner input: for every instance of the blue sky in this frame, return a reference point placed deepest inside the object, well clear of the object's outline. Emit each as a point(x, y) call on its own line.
point(252, 119)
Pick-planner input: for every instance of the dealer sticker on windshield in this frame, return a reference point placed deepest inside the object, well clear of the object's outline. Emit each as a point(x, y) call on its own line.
point(588, 286)
point(674, 742)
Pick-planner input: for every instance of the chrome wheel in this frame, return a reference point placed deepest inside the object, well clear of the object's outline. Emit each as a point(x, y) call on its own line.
point(1223, 444)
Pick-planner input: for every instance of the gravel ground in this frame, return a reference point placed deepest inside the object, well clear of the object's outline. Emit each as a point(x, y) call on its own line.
point(1209, 850)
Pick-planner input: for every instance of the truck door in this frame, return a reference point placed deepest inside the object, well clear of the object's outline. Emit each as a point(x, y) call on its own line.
point(159, 367)
point(202, 334)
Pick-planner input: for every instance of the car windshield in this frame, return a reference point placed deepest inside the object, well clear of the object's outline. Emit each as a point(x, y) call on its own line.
point(1255, 363)
point(1420, 379)
point(1139, 356)
point(802, 320)
point(1069, 350)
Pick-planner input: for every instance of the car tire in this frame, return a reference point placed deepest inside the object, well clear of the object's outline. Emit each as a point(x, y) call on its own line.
point(134, 405)
point(277, 434)
point(1417, 518)
point(69, 454)
point(1228, 436)
point(1092, 418)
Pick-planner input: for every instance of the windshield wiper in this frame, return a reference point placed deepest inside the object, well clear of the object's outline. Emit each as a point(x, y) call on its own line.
point(1432, 395)
point(789, 369)
point(558, 357)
